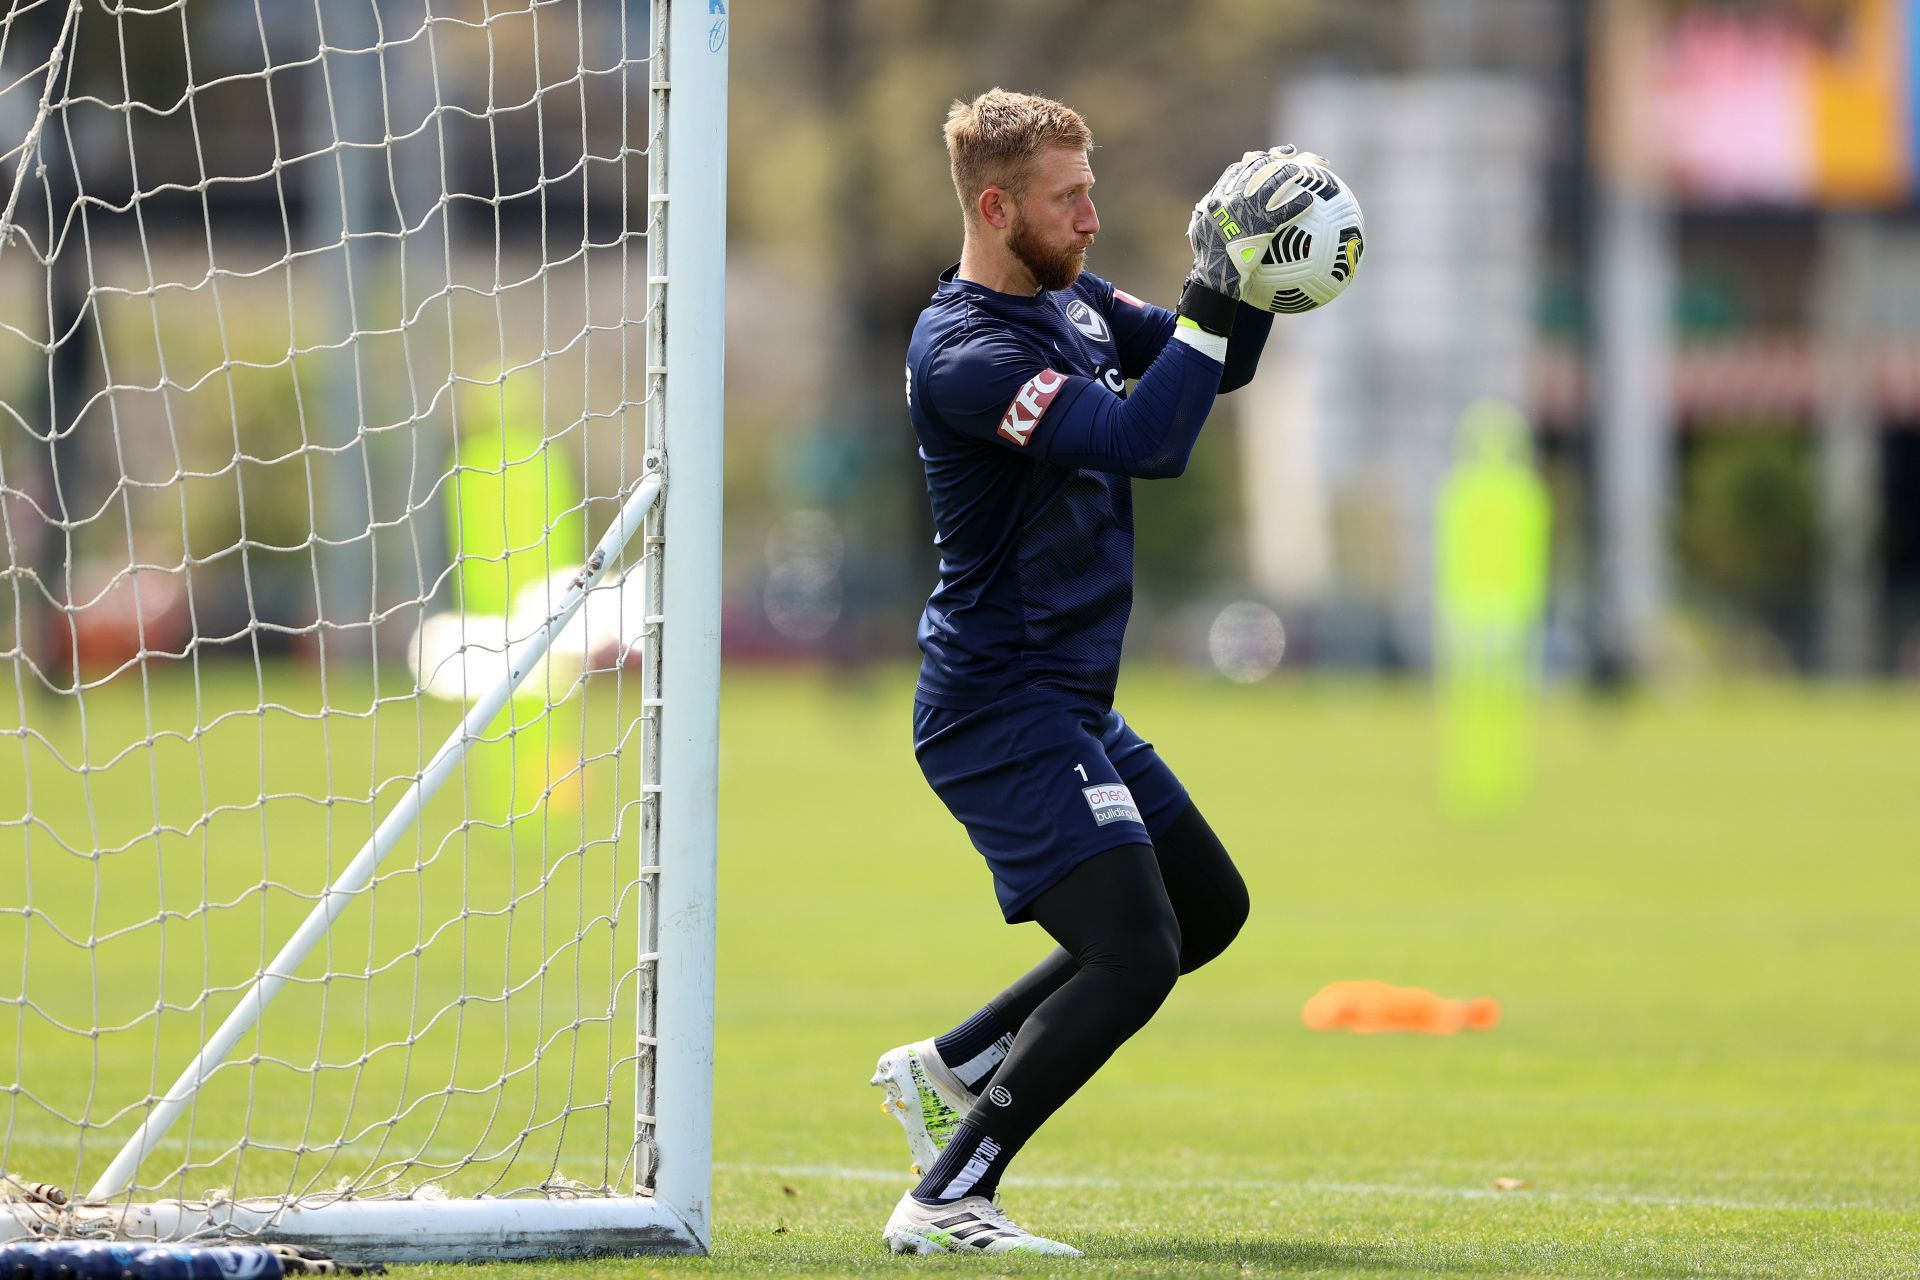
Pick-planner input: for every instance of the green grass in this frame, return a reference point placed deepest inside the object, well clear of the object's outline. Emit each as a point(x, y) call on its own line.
point(1705, 933)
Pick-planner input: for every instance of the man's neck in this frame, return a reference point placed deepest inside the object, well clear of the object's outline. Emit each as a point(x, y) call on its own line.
point(991, 267)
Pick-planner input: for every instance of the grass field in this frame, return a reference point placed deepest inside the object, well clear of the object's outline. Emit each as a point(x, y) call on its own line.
point(1705, 933)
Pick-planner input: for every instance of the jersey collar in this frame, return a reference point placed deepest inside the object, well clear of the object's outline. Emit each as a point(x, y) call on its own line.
point(951, 283)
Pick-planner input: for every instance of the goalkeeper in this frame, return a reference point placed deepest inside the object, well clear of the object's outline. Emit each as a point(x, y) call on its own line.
point(1016, 387)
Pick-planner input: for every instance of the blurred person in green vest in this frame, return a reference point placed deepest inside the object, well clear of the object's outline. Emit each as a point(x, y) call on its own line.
point(1493, 528)
point(515, 521)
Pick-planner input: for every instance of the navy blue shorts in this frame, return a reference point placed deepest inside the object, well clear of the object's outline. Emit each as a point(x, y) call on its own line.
point(1042, 782)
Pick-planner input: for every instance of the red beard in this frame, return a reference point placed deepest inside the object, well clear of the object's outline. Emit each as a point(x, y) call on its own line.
point(1051, 267)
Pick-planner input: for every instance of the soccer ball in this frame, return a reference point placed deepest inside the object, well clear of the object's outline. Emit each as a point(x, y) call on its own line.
point(1311, 260)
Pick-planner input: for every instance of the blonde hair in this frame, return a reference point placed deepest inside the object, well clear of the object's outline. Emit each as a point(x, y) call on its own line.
point(993, 141)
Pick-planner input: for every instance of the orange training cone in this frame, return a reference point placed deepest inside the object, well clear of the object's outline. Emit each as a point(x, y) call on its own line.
point(1369, 1006)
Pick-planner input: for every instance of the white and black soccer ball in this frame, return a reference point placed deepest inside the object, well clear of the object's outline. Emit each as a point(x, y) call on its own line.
point(1312, 260)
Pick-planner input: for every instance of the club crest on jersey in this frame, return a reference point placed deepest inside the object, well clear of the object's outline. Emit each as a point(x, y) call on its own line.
point(1087, 320)
point(1110, 802)
point(1035, 394)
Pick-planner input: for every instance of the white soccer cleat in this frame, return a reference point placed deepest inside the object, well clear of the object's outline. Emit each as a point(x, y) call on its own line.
point(923, 1096)
point(972, 1225)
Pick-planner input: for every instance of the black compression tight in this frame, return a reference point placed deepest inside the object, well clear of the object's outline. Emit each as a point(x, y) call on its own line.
point(1128, 921)
point(1204, 888)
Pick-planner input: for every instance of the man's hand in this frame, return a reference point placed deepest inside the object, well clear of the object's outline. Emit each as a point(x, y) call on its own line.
point(1258, 195)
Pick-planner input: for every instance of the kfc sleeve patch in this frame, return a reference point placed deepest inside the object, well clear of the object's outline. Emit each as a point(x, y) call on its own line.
point(1029, 403)
point(1121, 295)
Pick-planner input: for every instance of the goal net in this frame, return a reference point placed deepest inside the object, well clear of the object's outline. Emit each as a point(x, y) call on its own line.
point(359, 617)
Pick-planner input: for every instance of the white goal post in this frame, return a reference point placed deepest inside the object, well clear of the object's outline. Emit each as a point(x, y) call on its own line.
point(360, 488)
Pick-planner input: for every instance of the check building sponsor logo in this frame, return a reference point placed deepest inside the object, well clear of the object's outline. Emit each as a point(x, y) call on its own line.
point(1110, 802)
point(1029, 403)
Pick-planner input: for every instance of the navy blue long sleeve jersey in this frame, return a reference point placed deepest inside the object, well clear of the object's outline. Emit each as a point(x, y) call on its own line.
point(1030, 443)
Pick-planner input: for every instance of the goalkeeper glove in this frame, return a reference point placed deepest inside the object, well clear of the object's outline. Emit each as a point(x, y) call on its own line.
point(1257, 196)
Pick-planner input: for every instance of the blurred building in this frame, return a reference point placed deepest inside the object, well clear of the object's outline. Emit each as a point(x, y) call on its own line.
point(1687, 229)
point(1348, 433)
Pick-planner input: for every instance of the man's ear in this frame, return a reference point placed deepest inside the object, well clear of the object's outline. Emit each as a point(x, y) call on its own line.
point(996, 207)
